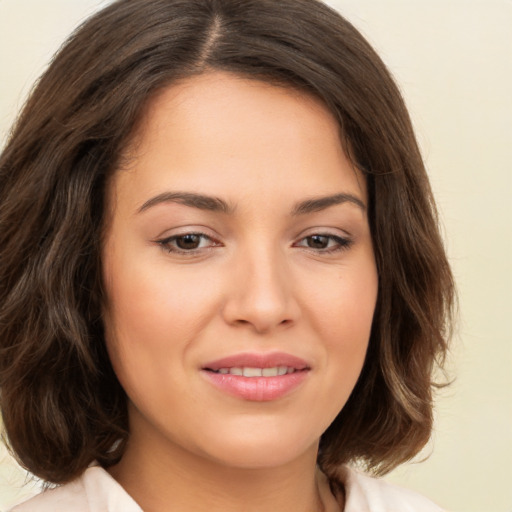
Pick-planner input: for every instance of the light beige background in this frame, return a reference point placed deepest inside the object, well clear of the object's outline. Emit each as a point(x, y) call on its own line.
point(453, 61)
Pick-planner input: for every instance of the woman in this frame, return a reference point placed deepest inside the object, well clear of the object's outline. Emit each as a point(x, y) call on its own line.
point(222, 280)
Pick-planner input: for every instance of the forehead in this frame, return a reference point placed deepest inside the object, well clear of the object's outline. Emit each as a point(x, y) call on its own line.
point(235, 103)
point(217, 129)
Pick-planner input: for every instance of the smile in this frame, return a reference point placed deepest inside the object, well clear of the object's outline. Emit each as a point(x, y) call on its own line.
point(257, 377)
point(275, 371)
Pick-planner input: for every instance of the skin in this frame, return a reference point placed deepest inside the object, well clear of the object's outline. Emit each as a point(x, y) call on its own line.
point(257, 280)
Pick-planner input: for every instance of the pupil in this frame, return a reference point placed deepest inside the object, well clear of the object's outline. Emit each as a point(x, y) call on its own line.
point(188, 241)
point(318, 242)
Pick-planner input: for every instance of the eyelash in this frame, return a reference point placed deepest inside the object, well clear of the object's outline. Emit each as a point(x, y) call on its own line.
point(166, 243)
point(341, 243)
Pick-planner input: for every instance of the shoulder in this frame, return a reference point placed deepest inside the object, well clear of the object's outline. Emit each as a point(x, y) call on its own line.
point(70, 497)
point(364, 493)
point(94, 491)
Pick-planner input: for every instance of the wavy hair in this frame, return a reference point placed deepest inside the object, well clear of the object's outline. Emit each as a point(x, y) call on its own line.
point(61, 402)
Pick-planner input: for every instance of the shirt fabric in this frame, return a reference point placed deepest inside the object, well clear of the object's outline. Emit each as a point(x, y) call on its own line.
point(97, 491)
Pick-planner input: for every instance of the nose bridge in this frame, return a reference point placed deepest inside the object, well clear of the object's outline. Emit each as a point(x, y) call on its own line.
point(262, 293)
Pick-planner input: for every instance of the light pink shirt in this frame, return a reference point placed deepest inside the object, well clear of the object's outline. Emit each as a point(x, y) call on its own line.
point(97, 491)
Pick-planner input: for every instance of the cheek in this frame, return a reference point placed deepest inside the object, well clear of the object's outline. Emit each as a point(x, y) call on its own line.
point(344, 309)
point(344, 303)
point(149, 326)
point(149, 303)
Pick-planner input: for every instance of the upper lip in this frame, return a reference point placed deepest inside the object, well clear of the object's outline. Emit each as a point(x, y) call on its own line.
point(257, 360)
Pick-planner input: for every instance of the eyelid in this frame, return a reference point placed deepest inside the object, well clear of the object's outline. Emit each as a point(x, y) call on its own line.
point(343, 242)
point(166, 241)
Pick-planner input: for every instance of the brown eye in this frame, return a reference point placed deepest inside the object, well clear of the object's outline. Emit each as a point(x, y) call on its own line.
point(324, 243)
point(188, 242)
point(191, 243)
point(317, 241)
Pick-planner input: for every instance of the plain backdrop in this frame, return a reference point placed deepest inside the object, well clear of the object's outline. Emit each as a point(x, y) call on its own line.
point(453, 61)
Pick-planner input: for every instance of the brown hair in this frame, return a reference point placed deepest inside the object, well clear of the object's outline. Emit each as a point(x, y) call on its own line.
point(61, 402)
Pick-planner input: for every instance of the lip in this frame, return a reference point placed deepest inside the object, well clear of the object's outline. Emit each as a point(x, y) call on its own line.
point(257, 389)
point(258, 360)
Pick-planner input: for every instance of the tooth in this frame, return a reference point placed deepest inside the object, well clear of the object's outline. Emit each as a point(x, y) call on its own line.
point(269, 372)
point(282, 370)
point(252, 372)
point(236, 371)
point(290, 370)
point(224, 371)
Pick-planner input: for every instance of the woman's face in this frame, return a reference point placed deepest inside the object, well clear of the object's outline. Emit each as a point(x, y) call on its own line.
point(239, 271)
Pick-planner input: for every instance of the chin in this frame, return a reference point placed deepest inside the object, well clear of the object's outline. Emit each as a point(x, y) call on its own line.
point(260, 451)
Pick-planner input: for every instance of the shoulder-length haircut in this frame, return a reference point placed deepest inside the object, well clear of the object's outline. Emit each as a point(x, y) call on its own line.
point(61, 402)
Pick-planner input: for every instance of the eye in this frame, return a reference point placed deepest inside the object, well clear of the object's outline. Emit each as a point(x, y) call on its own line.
point(187, 243)
point(324, 243)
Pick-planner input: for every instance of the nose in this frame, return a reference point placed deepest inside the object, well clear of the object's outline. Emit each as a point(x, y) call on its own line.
point(261, 293)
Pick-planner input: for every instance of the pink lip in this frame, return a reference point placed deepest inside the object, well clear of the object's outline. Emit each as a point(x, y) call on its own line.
point(258, 389)
point(257, 360)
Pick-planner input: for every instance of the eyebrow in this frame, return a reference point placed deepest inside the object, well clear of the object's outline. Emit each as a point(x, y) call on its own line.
point(200, 201)
point(215, 204)
point(317, 204)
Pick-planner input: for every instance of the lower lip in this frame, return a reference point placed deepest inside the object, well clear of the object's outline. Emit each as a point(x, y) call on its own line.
point(257, 389)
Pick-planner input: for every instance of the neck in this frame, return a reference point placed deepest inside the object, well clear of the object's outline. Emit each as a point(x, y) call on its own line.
point(175, 479)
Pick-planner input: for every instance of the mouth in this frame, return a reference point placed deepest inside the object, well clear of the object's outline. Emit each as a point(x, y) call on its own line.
point(248, 371)
point(257, 377)
point(249, 364)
